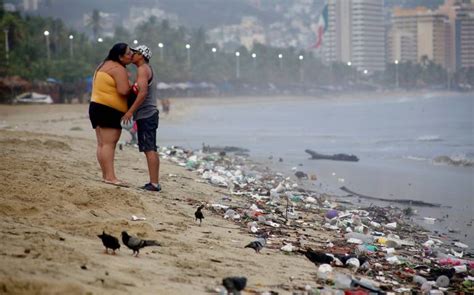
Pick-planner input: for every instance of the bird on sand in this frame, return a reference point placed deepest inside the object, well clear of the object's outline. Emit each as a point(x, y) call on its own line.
point(198, 214)
point(234, 285)
point(259, 243)
point(110, 242)
point(136, 244)
point(317, 257)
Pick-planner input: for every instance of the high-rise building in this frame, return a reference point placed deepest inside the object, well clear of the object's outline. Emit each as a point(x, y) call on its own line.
point(30, 5)
point(356, 34)
point(464, 36)
point(461, 44)
point(418, 33)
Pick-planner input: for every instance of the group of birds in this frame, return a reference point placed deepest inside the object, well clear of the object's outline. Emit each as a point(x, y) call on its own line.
point(257, 245)
point(132, 242)
point(135, 243)
point(233, 284)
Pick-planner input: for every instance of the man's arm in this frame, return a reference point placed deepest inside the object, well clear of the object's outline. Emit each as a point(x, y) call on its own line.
point(143, 75)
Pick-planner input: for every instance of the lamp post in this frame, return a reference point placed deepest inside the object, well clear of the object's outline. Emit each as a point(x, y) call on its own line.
point(7, 47)
point(188, 54)
point(237, 65)
point(397, 82)
point(71, 49)
point(213, 50)
point(301, 57)
point(448, 76)
point(280, 57)
point(135, 42)
point(48, 52)
point(160, 45)
point(349, 64)
point(100, 40)
point(254, 60)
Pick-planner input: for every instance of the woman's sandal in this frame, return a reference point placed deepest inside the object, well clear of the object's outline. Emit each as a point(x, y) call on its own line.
point(116, 183)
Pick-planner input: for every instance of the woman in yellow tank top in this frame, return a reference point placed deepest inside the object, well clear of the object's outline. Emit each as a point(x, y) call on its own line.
point(108, 104)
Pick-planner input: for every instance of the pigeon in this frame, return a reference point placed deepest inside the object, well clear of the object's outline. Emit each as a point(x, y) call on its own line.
point(198, 214)
point(317, 257)
point(110, 242)
point(258, 244)
point(136, 244)
point(234, 285)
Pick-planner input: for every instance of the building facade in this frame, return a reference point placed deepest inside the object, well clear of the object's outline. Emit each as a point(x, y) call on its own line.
point(356, 34)
point(464, 36)
point(445, 36)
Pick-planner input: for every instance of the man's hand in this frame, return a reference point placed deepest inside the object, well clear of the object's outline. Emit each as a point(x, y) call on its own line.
point(127, 118)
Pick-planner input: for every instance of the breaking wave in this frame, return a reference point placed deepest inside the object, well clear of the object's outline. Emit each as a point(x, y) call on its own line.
point(415, 158)
point(429, 138)
point(457, 160)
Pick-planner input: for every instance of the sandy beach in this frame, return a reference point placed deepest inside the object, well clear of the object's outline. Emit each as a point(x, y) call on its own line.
point(53, 206)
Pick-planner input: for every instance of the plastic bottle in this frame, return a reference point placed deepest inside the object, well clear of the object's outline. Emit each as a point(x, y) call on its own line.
point(342, 281)
point(364, 238)
point(442, 281)
point(419, 280)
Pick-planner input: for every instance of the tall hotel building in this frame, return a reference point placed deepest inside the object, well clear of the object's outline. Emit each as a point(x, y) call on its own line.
point(464, 35)
point(356, 34)
point(418, 33)
point(461, 19)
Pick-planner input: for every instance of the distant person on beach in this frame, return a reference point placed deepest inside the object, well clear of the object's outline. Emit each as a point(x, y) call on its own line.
point(165, 105)
point(110, 88)
point(145, 112)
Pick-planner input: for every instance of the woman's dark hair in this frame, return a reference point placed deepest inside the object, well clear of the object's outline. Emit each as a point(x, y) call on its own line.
point(116, 51)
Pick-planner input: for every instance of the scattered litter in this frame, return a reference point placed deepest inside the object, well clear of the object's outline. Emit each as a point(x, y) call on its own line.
point(136, 218)
point(382, 246)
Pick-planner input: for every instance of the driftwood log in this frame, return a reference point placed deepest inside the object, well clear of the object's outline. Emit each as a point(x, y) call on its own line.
point(336, 157)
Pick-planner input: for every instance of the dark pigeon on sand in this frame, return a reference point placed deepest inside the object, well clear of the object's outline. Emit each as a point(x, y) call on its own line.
point(317, 257)
point(136, 244)
point(259, 243)
point(234, 285)
point(110, 242)
point(198, 214)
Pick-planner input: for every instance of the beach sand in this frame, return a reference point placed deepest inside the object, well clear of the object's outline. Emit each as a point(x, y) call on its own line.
point(53, 205)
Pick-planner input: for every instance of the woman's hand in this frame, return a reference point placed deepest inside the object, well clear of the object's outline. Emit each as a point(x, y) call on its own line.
point(127, 118)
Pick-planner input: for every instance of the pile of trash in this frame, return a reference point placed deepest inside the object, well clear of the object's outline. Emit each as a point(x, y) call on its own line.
point(362, 250)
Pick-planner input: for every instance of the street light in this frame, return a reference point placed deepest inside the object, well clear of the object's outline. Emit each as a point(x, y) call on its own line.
point(48, 53)
point(71, 50)
point(160, 45)
point(188, 47)
point(135, 41)
point(254, 59)
point(237, 65)
point(280, 57)
point(301, 57)
point(214, 50)
point(397, 82)
point(100, 40)
point(349, 64)
point(7, 48)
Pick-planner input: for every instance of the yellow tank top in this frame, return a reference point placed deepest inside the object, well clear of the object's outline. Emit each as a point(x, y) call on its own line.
point(104, 91)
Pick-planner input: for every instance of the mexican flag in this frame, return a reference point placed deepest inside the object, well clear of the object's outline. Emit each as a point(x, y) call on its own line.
point(321, 27)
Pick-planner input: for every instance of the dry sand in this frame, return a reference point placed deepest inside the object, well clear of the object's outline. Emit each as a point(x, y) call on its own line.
point(53, 205)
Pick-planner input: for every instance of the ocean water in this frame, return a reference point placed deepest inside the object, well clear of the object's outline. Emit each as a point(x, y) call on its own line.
point(417, 148)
